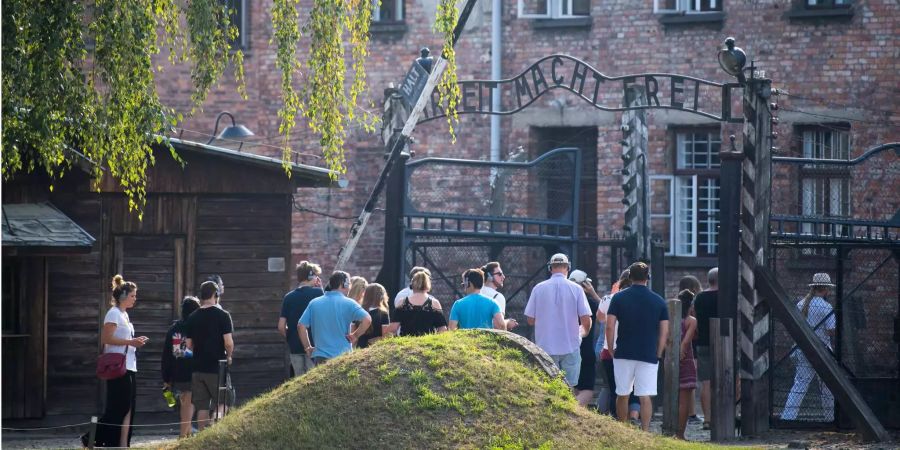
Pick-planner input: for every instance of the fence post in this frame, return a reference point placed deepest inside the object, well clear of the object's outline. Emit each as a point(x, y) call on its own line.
point(721, 341)
point(222, 389)
point(92, 432)
point(671, 369)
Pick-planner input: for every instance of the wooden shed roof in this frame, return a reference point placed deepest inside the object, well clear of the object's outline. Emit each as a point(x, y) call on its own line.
point(40, 227)
point(303, 175)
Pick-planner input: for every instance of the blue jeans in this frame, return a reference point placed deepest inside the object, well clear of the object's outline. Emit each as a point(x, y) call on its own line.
point(570, 364)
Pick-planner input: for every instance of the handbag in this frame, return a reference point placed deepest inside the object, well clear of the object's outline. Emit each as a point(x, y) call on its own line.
point(111, 365)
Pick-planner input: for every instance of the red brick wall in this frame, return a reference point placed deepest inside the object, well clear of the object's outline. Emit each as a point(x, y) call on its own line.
point(852, 66)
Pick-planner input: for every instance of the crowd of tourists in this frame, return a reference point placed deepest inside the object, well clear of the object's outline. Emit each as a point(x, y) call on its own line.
point(626, 330)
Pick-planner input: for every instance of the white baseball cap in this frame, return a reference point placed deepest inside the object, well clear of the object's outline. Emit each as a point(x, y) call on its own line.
point(579, 276)
point(559, 258)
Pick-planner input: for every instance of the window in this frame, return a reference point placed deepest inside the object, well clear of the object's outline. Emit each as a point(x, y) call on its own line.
point(688, 6)
point(553, 9)
point(388, 11)
point(238, 15)
point(684, 207)
point(826, 4)
point(825, 190)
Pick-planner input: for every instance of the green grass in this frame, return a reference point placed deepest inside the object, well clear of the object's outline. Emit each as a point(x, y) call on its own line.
point(453, 390)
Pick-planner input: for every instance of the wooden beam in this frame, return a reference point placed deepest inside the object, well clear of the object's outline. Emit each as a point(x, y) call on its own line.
point(834, 376)
point(671, 385)
point(721, 342)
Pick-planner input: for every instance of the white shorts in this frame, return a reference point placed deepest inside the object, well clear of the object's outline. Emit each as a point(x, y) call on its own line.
point(637, 375)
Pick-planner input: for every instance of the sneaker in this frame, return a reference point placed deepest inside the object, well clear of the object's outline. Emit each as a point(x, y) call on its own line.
point(694, 419)
point(635, 422)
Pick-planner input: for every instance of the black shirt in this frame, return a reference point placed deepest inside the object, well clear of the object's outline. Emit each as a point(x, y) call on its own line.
point(205, 327)
point(379, 318)
point(292, 307)
point(419, 320)
point(706, 306)
point(175, 367)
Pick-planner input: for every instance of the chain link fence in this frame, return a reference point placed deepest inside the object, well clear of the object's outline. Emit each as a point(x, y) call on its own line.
point(856, 321)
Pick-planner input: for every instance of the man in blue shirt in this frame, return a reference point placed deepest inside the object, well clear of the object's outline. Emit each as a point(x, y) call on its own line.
point(475, 310)
point(643, 320)
point(330, 317)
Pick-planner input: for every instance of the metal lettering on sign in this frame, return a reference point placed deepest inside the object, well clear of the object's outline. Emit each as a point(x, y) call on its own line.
point(413, 84)
point(662, 91)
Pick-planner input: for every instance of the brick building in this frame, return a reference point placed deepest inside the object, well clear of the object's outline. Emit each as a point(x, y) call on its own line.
point(837, 60)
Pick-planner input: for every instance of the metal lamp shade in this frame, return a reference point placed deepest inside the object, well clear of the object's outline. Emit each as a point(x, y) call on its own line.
point(235, 133)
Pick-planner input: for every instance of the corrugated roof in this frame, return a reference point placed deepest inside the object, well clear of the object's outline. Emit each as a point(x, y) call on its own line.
point(34, 225)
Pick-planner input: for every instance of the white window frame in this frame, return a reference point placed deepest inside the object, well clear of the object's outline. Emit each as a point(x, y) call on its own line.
point(376, 12)
point(675, 223)
point(554, 10)
point(683, 6)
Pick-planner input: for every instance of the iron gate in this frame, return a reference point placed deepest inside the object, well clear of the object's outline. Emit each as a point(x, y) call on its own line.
point(458, 214)
point(863, 259)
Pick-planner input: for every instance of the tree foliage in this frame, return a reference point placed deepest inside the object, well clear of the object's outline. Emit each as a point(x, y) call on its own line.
point(63, 99)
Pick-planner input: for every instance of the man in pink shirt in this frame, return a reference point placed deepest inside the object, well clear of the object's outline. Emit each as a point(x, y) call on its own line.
point(560, 315)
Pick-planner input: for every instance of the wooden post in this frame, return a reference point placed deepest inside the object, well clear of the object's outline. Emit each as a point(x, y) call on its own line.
point(92, 432)
point(671, 370)
point(721, 342)
point(752, 326)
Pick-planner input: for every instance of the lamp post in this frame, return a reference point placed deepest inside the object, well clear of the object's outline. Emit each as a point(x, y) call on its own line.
point(234, 132)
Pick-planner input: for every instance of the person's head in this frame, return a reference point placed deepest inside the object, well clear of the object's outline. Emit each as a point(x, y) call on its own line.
point(188, 306)
point(820, 287)
point(375, 296)
point(124, 293)
point(639, 273)
point(493, 275)
point(686, 296)
point(690, 283)
point(421, 282)
point(712, 278)
point(309, 274)
point(623, 282)
point(209, 293)
point(559, 263)
point(339, 281)
point(473, 280)
point(415, 270)
point(357, 288)
point(219, 283)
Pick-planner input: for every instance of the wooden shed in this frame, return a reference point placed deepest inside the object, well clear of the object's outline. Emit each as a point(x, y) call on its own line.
point(224, 212)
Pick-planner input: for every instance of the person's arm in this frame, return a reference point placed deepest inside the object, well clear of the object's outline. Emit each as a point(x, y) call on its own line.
point(585, 325)
point(282, 326)
point(453, 324)
point(363, 326)
point(107, 337)
point(441, 329)
point(663, 336)
point(229, 346)
point(167, 363)
point(499, 323)
point(611, 333)
point(304, 338)
point(511, 324)
point(688, 337)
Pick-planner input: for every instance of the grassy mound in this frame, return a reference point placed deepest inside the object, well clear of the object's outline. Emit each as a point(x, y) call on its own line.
point(466, 389)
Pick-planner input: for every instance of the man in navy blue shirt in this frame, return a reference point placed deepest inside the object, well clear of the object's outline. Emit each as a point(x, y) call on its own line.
point(293, 306)
point(643, 323)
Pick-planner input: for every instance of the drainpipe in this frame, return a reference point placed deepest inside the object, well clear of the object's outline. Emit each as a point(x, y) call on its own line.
point(496, 55)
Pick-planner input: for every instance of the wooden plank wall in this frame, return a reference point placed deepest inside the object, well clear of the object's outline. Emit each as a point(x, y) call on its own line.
point(76, 291)
point(235, 238)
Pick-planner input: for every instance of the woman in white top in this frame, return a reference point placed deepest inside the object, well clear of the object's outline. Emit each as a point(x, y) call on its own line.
point(818, 314)
point(118, 337)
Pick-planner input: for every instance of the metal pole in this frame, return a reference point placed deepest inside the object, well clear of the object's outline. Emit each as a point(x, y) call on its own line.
point(92, 432)
point(400, 143)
